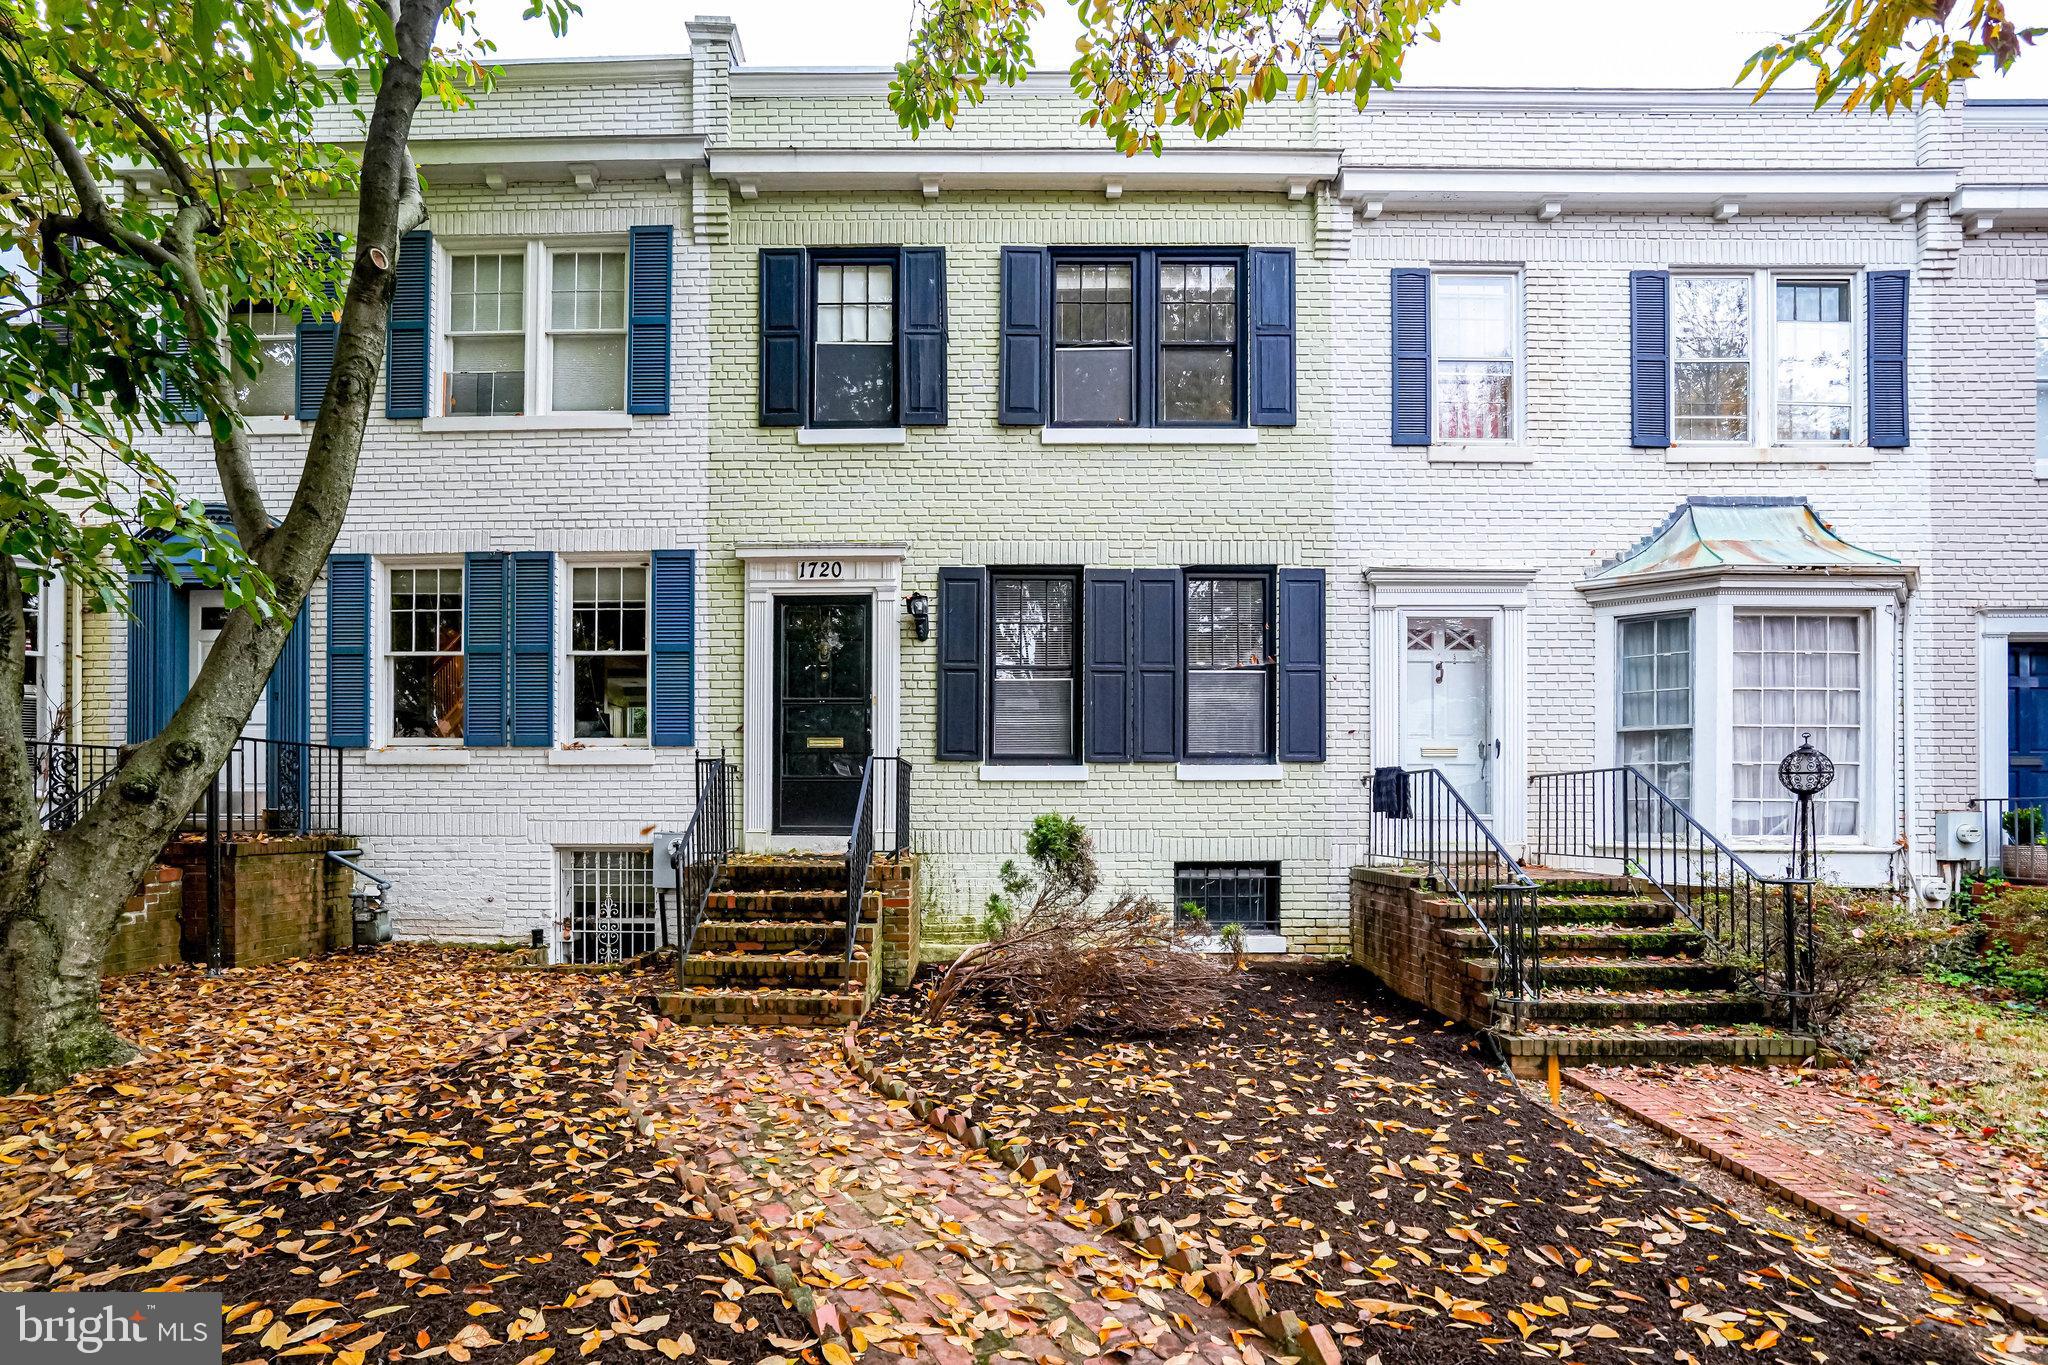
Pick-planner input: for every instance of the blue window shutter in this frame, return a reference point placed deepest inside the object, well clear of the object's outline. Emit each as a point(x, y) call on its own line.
point(922, 375)
point(1158, 647)
point(1411, 358)
point(963, 650)
point(406, 365)
point(348, 651)
point(287, 716)
point(187, 409)
point(159, 653)
point(1888, 296)
point(1106, 657)
point(317, 335)
point(1024, 383)
point(1649, 358)
point(533, 649)
point(483, 649)
point(650, 295)
point(785, 338)
point(672, 690)
point(1272, 335)
point(1302, 665)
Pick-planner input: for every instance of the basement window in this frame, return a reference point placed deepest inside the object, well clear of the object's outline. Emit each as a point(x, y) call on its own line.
point(1246, 894)
point(608, 900)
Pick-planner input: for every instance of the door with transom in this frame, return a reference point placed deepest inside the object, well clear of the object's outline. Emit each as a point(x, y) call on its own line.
point(1449, 703)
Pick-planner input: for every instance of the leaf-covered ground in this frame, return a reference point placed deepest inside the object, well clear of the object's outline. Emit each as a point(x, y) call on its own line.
point(500, 1209)
point(252, 1057)
point(1386, 1180)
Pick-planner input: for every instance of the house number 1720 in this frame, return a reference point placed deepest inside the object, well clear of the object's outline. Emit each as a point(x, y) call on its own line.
point(820, 568)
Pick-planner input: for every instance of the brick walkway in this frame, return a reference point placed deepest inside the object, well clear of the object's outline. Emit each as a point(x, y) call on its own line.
point(1961, 1210)
point(933, 1252)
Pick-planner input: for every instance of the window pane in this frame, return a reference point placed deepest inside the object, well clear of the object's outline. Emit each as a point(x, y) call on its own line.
point(488, 293)
point(1226, 623)
point(1034, 622)
point(1032, 717)
point(1475, 400)
point(1227, 712)
point(1794, 675)
point(427, 696)
point(856, 385)
point(1197, 384)
point(611, 696)
point(1092, 303)
point(1093, 386)
point(1473, 316)
point(272, 391)
point(1711, 400)
point(1197, 302)
point(1812, 344)
point(590, 373)
point(1710, 317)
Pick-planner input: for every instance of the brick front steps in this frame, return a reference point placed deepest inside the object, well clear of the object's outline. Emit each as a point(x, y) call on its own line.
point(771, 950)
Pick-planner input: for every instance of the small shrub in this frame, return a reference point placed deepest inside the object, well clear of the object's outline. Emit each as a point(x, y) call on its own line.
point(1233, 939)
point(1862, 940)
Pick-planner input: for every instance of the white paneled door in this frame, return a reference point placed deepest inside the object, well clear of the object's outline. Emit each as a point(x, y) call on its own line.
point(1447, 702)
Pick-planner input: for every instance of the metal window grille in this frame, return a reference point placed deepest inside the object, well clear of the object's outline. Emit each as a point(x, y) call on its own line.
point(611, 905)
point(1242, 893)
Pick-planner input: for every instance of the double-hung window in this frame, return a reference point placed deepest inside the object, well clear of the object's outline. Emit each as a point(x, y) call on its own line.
point(1229, 666)
point(2041, 378)
point(1112, 313)
point(587, 330)
point(853, 326)
point(534, 328)
point(269, 386)
point(608, 611)
point(1033, 693)
point(1655, 718)
point(1785, 372)
point(423, 655)
point(1797, 674)
point(32, 666)
point(487, 334)
point(1475, 337)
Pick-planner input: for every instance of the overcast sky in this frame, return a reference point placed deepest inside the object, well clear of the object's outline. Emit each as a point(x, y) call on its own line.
point(1660, 43)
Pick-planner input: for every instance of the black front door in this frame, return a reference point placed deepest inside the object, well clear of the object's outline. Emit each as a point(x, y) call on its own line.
point(824, 707)
point(2027, 724)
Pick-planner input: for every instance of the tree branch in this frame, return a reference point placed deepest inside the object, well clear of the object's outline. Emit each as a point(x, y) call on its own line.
point(167, 154)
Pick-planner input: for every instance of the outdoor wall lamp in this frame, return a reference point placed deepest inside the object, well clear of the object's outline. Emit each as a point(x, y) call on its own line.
point(920, 608)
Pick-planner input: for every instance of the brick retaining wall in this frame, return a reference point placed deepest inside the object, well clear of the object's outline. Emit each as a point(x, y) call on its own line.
point(280, 898)
point(1397, 935)
point(147, 934)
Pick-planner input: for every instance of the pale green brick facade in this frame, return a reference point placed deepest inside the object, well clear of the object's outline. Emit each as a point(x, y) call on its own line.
point(974, 493)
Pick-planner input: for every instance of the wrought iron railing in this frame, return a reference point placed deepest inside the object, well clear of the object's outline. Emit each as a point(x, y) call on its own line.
point(1441, 832)
point(2014, 823)
point(701, 853)
point(1620, 819)
point(884, 787)
point(69, 777)
point(264, 786)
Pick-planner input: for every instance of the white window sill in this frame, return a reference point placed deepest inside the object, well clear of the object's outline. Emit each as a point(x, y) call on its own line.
point(416, 756)
point(1253, 943)
point(851, 436)
point(538, 421)
point(1712, 454)
point(274, 426)
point(1148, 436)
point(1229, 772)
point(1502, 453)
point(602, 756)
point(1034, 772)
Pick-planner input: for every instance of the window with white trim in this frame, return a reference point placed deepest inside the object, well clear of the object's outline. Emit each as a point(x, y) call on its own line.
point(423, 652)
point(534, 328)
point(270, 386)
point(1475, 336)
point(486, 371)
point(608, 622)
point(1229, 667)
point(1710, 355)
point(1786, 373)
point(2041, 376)
point(1813, 346)
point(1033, 694)
point(32, 664)
point(1797, 674)
point(1653, 730)
point(587, 330)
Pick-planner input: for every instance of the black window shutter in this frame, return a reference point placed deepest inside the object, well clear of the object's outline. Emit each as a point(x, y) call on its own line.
point(1106, 661)
point(785, 338)
point(483, 649)
point(1411, 357)
point(963, 651)
point(1025, 379)
point(405, 328)
point(1649, 359)
point(922, 374)
point(1272, 337)
point(1886, 297)
point(1158, 649)
point(1302, 666)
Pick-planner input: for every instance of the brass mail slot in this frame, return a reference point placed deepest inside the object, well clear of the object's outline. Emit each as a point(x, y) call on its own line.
point(824, 741)
point(1440, 750)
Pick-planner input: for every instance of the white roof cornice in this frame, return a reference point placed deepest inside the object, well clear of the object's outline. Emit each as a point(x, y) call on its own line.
point(1497, 189)
point(1982, 207)
point(621, 158)
point(932, 168)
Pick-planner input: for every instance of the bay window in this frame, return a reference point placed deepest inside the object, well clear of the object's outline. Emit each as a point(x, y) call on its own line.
point(853, 364)
point(608, 611)
point(1796, 674)
point(1473, 344)
point(423, 653)
point(1033, 692)
point(1229, 667)
point(1654, 720)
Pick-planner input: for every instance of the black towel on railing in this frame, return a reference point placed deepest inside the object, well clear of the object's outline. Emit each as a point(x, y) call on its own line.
point(1390, 793)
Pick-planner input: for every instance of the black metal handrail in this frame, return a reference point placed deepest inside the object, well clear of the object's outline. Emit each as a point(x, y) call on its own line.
point(69, 778)
point(263, 786)
point(699, 856)
point(877, 774)
point(1442, 832)
point(1622, 817)
point(2009, 822)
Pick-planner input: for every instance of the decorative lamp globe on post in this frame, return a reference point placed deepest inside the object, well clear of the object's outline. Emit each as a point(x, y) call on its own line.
point(1806, 773)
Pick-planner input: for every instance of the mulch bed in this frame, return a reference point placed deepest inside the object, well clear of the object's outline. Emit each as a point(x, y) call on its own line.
point(1384, 1178)
point(500, 1209)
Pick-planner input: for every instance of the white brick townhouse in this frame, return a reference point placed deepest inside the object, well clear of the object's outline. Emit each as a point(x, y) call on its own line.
point(1500, 432)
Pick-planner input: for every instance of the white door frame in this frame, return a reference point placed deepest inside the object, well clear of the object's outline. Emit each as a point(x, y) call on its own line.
point(799, 570)
point(1398, 593)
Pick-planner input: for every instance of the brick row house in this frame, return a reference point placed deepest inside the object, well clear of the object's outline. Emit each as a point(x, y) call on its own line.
point(1500, 432)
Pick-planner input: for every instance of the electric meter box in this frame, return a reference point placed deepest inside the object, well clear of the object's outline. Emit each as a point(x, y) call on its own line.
point(665, 871)
point(1958, 836)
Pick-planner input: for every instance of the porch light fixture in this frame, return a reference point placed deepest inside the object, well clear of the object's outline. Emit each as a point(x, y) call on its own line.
point(920, 608)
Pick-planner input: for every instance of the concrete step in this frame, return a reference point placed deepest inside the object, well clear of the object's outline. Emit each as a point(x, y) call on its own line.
point(1568, 941)
point(1576, 1006)
point(779, 936)
point(1527, 1052)
point(1635, 976)
point(802, 971)
point(707, 1008)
